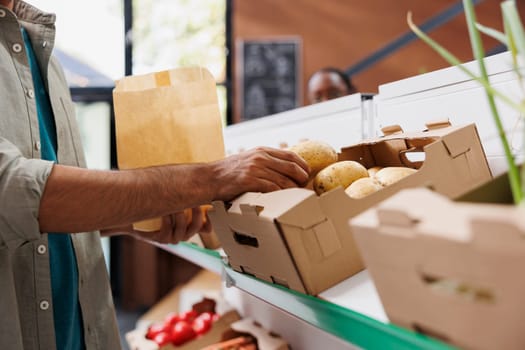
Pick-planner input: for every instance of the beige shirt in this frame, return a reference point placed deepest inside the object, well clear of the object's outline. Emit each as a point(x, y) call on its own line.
point(26, 310)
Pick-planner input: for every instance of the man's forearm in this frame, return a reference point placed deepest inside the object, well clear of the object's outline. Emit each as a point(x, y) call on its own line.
point(77, 200)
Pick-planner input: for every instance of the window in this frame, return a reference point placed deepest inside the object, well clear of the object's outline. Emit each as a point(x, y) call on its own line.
point(169, 34)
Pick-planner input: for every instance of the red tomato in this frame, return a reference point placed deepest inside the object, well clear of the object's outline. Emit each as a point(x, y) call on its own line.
point(188, 316)
point(171, 318)
point(162, 338)
point(202, 323)
point(182, 332)
point(157, 328)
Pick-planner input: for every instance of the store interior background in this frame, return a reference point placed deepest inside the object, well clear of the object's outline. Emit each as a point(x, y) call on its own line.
point(141, 36)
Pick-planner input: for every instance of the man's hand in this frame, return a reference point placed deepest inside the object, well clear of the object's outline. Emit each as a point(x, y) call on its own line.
point(175, 228)
point(262, 169)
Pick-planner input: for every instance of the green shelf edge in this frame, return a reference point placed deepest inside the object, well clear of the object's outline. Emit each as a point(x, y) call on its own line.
point(205, 258)
point(348, 325)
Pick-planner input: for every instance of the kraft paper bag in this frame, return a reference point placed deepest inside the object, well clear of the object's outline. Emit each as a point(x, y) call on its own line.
point(167, 117)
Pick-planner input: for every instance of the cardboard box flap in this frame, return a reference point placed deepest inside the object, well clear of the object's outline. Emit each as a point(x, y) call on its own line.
point(434, 133)
point(485, 225)
point(499, 232)
point(384, 153)
point(246, 198)
point(431, 125)
point(424, 217)
point(456, 143)
point(265, 339)
point(401, 149)
point(396, 218)
point(281, 205)
point(392, 130)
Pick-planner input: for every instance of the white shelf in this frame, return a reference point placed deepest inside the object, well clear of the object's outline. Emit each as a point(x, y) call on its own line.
point(347, 316)
point(357, 293)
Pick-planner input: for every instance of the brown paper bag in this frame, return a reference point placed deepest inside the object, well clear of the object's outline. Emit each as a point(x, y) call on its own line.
point(165, 118)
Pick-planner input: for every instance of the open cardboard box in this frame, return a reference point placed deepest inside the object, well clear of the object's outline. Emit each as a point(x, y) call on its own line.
point(303, 241)
point(205, 284)
point(452, 270)
point(265, 339)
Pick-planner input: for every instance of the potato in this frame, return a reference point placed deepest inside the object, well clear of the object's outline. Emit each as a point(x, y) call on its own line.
point(338, 174)
point(388, 176)
point(317, 154)
point(373, 170)
point(362, 187)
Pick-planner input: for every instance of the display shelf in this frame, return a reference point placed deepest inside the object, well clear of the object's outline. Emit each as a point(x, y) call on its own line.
point(358, 294)
point(206, 258)
point(353, 327)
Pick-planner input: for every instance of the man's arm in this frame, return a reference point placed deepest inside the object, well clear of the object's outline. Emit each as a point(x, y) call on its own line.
point(77, 200)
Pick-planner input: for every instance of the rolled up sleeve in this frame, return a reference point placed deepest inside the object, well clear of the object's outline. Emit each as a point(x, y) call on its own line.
point(22, 182)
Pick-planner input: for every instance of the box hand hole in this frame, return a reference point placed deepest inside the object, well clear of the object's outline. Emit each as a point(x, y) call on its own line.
point(413, 157)
point(244, 239)
point(459, 289)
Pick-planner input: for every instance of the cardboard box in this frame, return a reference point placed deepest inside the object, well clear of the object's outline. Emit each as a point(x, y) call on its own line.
point(137, 338)
point(205, 284)
point(265, 339)
point(303, 241)
point(448, 269)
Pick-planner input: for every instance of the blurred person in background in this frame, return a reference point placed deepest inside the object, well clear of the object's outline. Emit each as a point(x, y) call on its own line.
point(329, 83)
point(55, 290)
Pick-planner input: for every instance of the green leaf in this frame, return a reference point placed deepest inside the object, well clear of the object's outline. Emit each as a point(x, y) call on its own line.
point(512, 45)
point(479, 54)
point(499, 36)
point(516, 36)
point(512, 19)
point(453, 60)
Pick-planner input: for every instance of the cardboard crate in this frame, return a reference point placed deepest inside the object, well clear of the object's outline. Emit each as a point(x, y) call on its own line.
point(265, 339)
point(303, 241)
point(448, 269)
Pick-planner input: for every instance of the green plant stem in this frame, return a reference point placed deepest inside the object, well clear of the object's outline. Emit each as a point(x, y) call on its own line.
point(479, 55)
point(513, 173)
point(453, 60)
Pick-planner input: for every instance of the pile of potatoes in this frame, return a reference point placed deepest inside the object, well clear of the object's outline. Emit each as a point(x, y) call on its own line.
point(329, 173)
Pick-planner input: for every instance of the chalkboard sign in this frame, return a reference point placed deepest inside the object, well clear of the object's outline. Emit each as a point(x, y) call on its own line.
point(270, 76)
